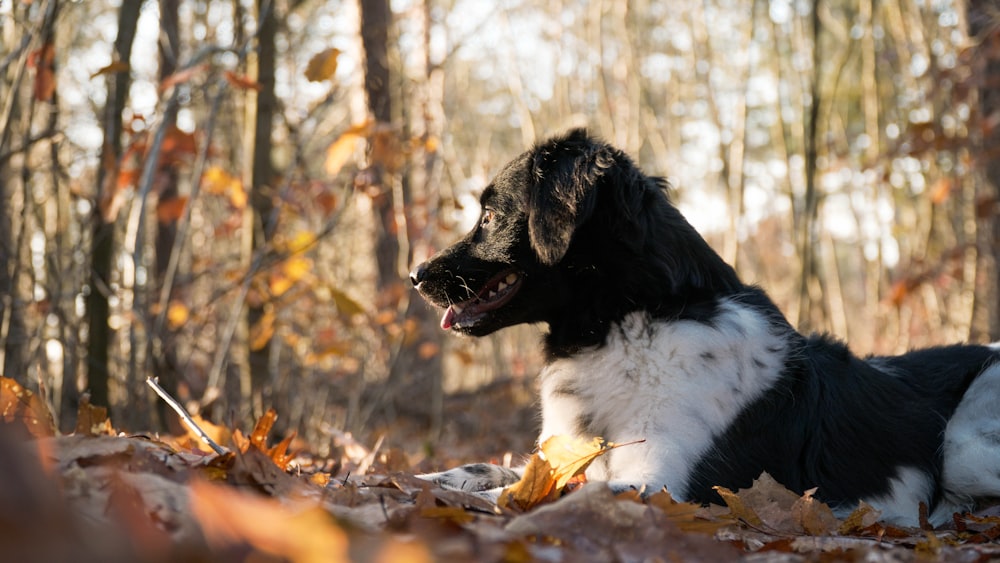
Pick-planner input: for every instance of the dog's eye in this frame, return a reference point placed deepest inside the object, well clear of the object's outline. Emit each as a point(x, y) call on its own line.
point(487, 217)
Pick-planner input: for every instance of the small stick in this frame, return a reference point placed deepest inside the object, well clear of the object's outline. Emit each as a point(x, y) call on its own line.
point(154, 383)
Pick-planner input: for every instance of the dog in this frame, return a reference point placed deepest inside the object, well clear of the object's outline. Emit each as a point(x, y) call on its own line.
point(653, 337)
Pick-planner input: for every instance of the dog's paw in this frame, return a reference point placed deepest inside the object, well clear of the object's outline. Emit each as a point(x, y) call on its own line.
point(483, 479)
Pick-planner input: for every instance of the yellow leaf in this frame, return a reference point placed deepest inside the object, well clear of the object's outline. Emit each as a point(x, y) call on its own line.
point(550, 469)
point(322, 65)
point(177, 314)
point(340, 151)
point(262, 331)
point(216, 181)
point(347, 306)
point(301, 242)
point(237, 195)
point(296, 267)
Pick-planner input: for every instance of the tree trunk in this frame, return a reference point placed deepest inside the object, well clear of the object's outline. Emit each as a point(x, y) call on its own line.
point(984, 32)
point(260, 112)
point(811, 305)
point(163, 355)
point(102, 242)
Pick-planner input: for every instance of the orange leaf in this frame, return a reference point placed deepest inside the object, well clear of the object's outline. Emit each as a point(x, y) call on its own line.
point(171, 210)
point(241, 81)
point(262, 331)
point(42, 60)
point(428, 350)
point(217, 181)
point(941, 191)
point(112, 68)
point(228, 517)
point(177, 314)
point(279, 454)
point(177, 145)
point(181, 77)
point(264, 425)
point(322, 65)
point(24, 409)
point(338, 153)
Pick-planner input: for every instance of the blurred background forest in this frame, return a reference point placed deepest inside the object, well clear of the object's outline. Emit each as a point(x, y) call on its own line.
point(228, 195)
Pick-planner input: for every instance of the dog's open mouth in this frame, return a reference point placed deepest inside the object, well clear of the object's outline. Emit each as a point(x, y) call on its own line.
point(495, 294)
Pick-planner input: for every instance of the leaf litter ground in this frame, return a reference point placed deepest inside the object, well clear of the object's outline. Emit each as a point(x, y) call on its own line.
point(99, 495)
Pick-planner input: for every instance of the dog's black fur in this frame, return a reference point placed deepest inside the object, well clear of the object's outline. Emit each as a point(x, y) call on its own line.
point(590, 240)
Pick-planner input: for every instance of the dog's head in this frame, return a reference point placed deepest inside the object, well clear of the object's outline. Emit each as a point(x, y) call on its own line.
point(564, 234)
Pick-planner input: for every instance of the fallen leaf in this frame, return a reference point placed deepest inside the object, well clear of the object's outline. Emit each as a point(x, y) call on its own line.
point(688, 516)
point(23, 409)
point(814, 516)
point(863, 517)
point(92, 420)
point(306, 534)
point(596, 526)
point(558, 459)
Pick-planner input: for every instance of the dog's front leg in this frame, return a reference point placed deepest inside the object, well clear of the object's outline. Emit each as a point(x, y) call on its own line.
point(482, 479)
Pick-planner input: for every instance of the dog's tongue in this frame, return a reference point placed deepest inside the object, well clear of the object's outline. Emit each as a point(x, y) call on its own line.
point(447, 318)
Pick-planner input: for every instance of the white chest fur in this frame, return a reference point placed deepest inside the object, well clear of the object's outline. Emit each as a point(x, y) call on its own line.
point(673, 384)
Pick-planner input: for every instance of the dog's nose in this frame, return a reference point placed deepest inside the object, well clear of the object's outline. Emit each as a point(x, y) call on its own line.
point(418, 273)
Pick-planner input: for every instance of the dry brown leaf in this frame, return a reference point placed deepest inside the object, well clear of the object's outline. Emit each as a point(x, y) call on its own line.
point(814, 516)
point(688, 516)
point(92, 420)
point(863, 517)
point(322, 65)
point(20, 407)
point(112, 68)
point(737, 508)
point(304, 535)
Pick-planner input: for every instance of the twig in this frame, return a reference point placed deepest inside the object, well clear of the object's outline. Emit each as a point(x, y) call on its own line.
point(154, 383)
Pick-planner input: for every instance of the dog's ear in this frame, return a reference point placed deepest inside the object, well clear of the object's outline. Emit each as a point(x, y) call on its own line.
point(565, 172)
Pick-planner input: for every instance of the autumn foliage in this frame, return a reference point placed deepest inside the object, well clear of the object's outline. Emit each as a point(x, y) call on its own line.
point(170, 497)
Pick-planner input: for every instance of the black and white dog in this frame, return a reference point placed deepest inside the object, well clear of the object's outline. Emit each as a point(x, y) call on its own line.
point(653, 337)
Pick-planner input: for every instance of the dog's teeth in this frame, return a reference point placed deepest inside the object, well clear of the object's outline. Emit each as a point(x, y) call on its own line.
point(457, 309)
point(511, 278)
point(501, 286)
point(493, 294)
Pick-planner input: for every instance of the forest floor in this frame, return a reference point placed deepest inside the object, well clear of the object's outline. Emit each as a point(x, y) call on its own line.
point(103, 496)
